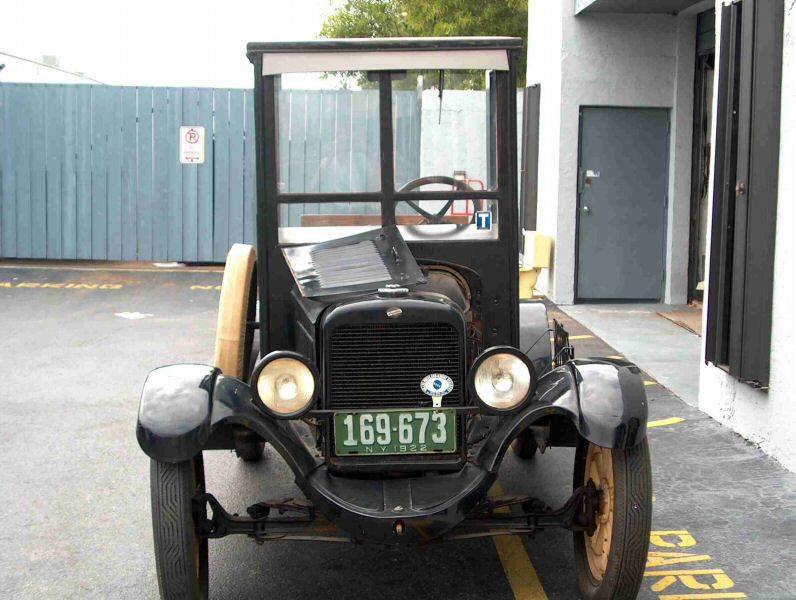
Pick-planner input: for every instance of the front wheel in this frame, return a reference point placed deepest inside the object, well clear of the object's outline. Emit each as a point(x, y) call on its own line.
point(180, 555)
point(610, 562)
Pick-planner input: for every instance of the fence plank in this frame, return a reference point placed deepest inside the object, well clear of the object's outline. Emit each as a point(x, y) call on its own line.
point(297, 137)
point(342, 155)
point(174, 190)
point(146, 182)
point(83, 163)
point(204, 179)
point(114, 174)
point(8, 214)
point(327, 133)
point(38, 176)
point(54, 149)
point(22, 99)
point(190, 246)
point(249, 175)
point(235, 227)
point(160, 175)
point(221, 177)
point(372, 160)
point(100, 125)
point(69, 177)
point(129, 165)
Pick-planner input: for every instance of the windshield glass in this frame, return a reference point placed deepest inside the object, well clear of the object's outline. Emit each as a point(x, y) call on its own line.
point(442, 130)
point(443, 154)
point(328, 133)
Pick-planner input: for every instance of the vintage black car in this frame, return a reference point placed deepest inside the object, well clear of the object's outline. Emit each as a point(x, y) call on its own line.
point(375, 338)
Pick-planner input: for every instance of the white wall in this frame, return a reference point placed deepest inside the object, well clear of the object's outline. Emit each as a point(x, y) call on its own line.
point(769, 418)
point(545, 33)
point(608, 60)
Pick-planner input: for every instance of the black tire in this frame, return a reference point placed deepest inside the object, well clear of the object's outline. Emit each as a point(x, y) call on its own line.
point(524, 445)
point(180, 556)
point(249, 450)
point(630, 531)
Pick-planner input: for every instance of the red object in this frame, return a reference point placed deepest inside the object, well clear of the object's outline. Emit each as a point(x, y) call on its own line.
point(470, 206)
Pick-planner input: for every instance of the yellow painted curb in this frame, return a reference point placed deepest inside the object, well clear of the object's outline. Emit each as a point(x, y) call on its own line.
point(664, 422)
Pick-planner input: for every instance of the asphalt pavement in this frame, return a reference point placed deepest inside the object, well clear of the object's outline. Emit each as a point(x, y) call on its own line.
point(76, 344)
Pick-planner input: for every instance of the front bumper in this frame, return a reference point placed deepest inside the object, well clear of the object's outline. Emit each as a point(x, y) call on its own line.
point(187, 408)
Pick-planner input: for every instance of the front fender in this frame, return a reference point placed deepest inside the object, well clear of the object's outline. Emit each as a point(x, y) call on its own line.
point(605, 400)
point(183, 405)
point(175, 410)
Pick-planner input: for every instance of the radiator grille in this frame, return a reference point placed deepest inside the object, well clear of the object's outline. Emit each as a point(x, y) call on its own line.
point(381, 365)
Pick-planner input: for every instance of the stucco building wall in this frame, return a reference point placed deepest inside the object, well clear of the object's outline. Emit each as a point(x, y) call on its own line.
point(768, 418)
point(627, 60)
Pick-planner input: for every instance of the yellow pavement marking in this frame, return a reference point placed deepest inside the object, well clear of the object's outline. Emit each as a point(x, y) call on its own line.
point(669, 568)
point(664, 422)
point(46, 285)
point(211, 269)
point(516, 563)
point(649, 383)
point(698, 596)
point(580, 337)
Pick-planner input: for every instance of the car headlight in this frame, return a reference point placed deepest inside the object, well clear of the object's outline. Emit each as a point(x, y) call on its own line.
point(285, 383)
point(502, 378)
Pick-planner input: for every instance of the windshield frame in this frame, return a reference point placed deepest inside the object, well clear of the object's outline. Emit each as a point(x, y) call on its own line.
point(492, 261)
point(387, 196)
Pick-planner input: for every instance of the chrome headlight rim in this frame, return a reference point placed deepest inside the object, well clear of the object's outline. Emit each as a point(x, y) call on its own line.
point(489, 352)
point(268, 359)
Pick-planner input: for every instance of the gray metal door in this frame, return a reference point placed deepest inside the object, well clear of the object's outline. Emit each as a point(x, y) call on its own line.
point(622, 175)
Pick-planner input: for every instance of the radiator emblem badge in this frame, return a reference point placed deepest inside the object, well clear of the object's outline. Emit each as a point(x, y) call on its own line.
point(394, 313)
point(436, 385)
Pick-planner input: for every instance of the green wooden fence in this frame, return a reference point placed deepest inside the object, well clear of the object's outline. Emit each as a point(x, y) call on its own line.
point(93, 172)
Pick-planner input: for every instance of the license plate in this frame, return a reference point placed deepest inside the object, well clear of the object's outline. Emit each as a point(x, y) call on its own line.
point(399, 431)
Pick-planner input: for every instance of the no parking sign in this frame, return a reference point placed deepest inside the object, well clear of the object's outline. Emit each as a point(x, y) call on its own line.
point(192, 145)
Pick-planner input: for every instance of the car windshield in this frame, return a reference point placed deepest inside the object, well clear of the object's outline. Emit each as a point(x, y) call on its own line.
point(329, 144)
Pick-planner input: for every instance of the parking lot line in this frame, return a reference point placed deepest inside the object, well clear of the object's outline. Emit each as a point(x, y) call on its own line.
point(516, 563)
point(698, 596)
point(580, 337)
point(664, 422)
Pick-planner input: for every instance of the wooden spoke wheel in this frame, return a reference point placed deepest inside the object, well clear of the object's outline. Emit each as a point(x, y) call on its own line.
point(600, 470)
point(237, 310)
point(610, 562)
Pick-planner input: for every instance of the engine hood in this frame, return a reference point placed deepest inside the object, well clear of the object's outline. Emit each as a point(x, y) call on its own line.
point(414, 307)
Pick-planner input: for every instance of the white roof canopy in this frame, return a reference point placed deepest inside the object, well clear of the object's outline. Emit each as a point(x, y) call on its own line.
point(384, 60)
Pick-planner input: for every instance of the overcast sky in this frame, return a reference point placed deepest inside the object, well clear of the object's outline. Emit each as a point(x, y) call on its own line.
point(156, 42)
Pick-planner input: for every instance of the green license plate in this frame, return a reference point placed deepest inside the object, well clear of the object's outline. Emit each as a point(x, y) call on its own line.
point(398, 431)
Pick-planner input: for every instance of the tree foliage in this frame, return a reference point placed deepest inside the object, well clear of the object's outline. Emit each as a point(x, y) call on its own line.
point(430, 18)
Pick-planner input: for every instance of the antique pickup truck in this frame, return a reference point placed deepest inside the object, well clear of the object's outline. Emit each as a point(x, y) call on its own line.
point(375, 339)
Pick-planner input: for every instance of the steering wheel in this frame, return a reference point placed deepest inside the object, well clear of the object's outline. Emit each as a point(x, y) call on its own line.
point(433, 218)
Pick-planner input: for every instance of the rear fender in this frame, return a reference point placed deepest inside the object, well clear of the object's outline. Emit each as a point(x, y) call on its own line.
point(605, 401)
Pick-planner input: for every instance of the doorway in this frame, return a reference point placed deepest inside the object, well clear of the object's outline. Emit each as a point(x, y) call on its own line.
point(621, 209)
point(700, 160)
